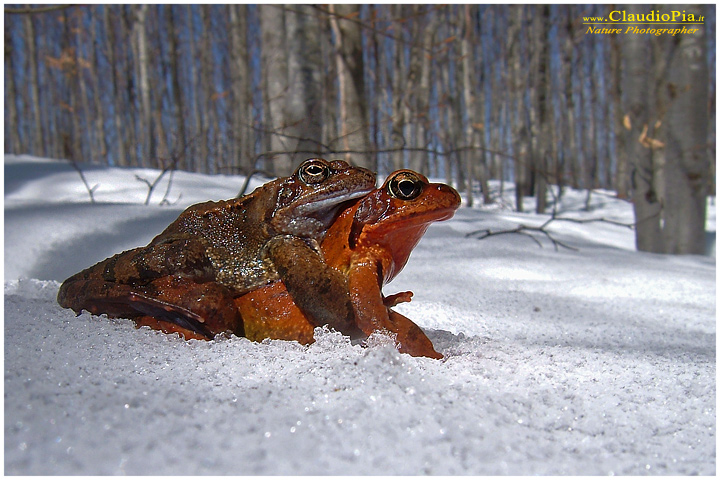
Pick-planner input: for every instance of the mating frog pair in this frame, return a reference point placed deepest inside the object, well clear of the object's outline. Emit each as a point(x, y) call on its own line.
point(308, 250)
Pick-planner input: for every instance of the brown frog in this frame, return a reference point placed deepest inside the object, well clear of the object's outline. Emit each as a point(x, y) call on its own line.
point(185, 280)
point(370, 243)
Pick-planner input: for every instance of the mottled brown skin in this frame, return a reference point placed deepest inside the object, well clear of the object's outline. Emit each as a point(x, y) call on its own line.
point(185, 280)
point(369, 243)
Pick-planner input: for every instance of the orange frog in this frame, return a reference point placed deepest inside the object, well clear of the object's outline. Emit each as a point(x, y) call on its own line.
point(187, 278)
point(370, 243)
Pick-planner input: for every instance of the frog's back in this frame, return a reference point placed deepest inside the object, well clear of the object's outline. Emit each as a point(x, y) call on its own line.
point(233, 233)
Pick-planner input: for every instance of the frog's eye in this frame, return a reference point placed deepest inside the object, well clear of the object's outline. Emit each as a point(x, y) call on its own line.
point(405, 186)
point(314, 171)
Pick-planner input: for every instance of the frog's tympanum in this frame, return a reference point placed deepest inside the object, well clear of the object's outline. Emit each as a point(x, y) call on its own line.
point(369, 243)
point(186, 279)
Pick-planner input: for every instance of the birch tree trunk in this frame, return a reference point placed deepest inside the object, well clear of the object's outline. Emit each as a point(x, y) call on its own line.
point(349, 58)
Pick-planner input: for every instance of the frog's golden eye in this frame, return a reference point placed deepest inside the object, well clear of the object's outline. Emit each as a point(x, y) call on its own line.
point(314, 171)
point(405, 186)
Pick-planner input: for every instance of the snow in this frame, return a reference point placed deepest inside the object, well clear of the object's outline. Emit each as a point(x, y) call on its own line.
point(596, 361)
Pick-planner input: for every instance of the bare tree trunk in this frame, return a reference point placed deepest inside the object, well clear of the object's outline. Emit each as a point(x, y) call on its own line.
point(303, 109)
point(636, 66)
point(206, 87)
point(199, 150)
point(274, 75)
point(543, 106)
point(398, 95)
point(102, 148)
point(36, 146)
point(571, 151)
point(520, 132)
point(330, 95)
point(378, 82)
point(686, 157)
point(12, 127)
point(86, 143)
point(243, 148)
point(471, 157)
point(622, 178)
point(131, 114)
point(140, 33)
point(420, 160)
point(178, 106)
point(72, 144)
point(157, 73)
point(349, 57)
point(122, 158)
point(498, 100)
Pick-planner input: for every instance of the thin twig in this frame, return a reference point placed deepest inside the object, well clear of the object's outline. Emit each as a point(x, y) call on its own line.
point(84, 180)
point(30, 10)
point(245, 184)
point(527, 229)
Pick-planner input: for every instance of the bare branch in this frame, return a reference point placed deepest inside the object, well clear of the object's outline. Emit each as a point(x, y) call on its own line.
point(90, 190)
point(542, 229)
point(31, 10)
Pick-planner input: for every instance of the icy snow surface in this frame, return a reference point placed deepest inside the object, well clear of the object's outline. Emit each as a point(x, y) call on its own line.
point(600, 361)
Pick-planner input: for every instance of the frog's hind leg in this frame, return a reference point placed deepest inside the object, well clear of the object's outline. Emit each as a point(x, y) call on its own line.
point(202, 309)
point(206, 308)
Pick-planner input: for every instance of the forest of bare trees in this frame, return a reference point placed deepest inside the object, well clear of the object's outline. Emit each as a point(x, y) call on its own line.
point(469, 93)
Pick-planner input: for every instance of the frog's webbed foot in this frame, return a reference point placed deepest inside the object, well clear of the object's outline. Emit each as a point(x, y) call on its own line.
point(319, 291)
point(400, 297)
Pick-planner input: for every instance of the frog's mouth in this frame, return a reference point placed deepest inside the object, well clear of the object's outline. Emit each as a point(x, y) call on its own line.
point(331, 205)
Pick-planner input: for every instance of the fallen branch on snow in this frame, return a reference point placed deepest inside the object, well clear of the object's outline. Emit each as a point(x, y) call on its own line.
point(526, 230)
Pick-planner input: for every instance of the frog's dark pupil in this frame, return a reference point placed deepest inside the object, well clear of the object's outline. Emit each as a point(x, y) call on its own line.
point(314, 170)
point(406, 188)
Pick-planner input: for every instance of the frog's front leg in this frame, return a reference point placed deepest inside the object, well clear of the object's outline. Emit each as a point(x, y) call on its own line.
point(319, 291)
point(372, 312)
